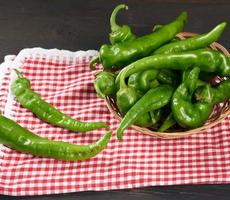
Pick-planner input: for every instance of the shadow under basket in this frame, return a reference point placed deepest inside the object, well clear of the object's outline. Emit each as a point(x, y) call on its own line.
point(219, 112)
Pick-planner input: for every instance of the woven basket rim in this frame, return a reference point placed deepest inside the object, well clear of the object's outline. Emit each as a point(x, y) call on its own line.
point(178, 134)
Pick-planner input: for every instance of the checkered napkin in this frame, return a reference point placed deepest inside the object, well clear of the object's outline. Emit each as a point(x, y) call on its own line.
point(63, 79)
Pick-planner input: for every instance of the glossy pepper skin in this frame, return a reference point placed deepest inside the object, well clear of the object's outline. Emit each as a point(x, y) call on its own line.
point(206, 59)
point(155, 116)
point(104, 84)
point(122, 54)
point(144, 121)
point(154, 99)
point(167, 76)
point(143, 81)
point(186, 113)
point(167, 123)
point(193, 43)
point(21, 139)
point(220, 92)
point(46, 112)
point(118, 33)
point(125, 99)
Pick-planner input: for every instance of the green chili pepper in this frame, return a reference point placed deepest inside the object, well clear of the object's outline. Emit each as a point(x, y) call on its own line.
point(170, 121)
point(155, 116)
point(143, 81)
point(149, 118)
point(193, 43)
point(20, 139)
point(220, 92)
point(167, 123)
point(122, 54)
point(185, 112)
point(119, 33)
point(144, 121)
point(126, 98)
point(44, 111)
point(206, 59)
point(167, 76)
point(154, 99)
point(104, 84)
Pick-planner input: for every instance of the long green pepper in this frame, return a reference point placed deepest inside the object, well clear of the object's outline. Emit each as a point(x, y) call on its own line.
point(193, 43)
point(46, 112)
point(122, 54)
point(154, 99)
point(185, 112)
point(206, 59)
point(21, 139)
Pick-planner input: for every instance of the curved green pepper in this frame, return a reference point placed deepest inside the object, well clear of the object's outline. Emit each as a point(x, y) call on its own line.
point(46, 112)
point(185, 112)
point(104, 84)
point(143, 81)
point(20, 139)
point(193, 43)
point(119, 55)
point(119, 33)
point(206, 59)
point(154, 99)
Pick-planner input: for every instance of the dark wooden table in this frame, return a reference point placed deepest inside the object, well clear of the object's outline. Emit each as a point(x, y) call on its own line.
point(84, 24)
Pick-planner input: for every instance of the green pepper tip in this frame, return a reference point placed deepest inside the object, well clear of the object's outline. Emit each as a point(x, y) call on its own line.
point(19, 74)
point(224, 24)
point(183, 15)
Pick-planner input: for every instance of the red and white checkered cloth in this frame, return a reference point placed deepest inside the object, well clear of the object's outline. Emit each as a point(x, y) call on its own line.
point(63, 79)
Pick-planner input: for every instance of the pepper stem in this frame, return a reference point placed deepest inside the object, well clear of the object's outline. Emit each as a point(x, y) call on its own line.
point(93, 62)
point(19, 74)
point(113, 24)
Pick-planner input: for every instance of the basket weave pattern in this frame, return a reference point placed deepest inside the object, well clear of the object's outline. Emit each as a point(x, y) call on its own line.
point(220, 111)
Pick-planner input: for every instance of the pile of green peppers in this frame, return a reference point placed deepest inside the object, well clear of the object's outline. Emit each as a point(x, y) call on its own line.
point(159, 81)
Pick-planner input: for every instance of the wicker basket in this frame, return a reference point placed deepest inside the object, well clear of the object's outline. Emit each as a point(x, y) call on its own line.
point(220, 111)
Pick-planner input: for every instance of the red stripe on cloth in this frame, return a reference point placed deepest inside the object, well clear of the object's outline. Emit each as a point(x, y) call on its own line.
point(136, 162)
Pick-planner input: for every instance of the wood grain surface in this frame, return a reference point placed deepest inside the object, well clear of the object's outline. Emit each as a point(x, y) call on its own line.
point(84, 24)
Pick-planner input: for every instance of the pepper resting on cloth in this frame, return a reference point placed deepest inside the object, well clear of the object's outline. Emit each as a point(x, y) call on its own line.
point(46, 112)
point(20, 139)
